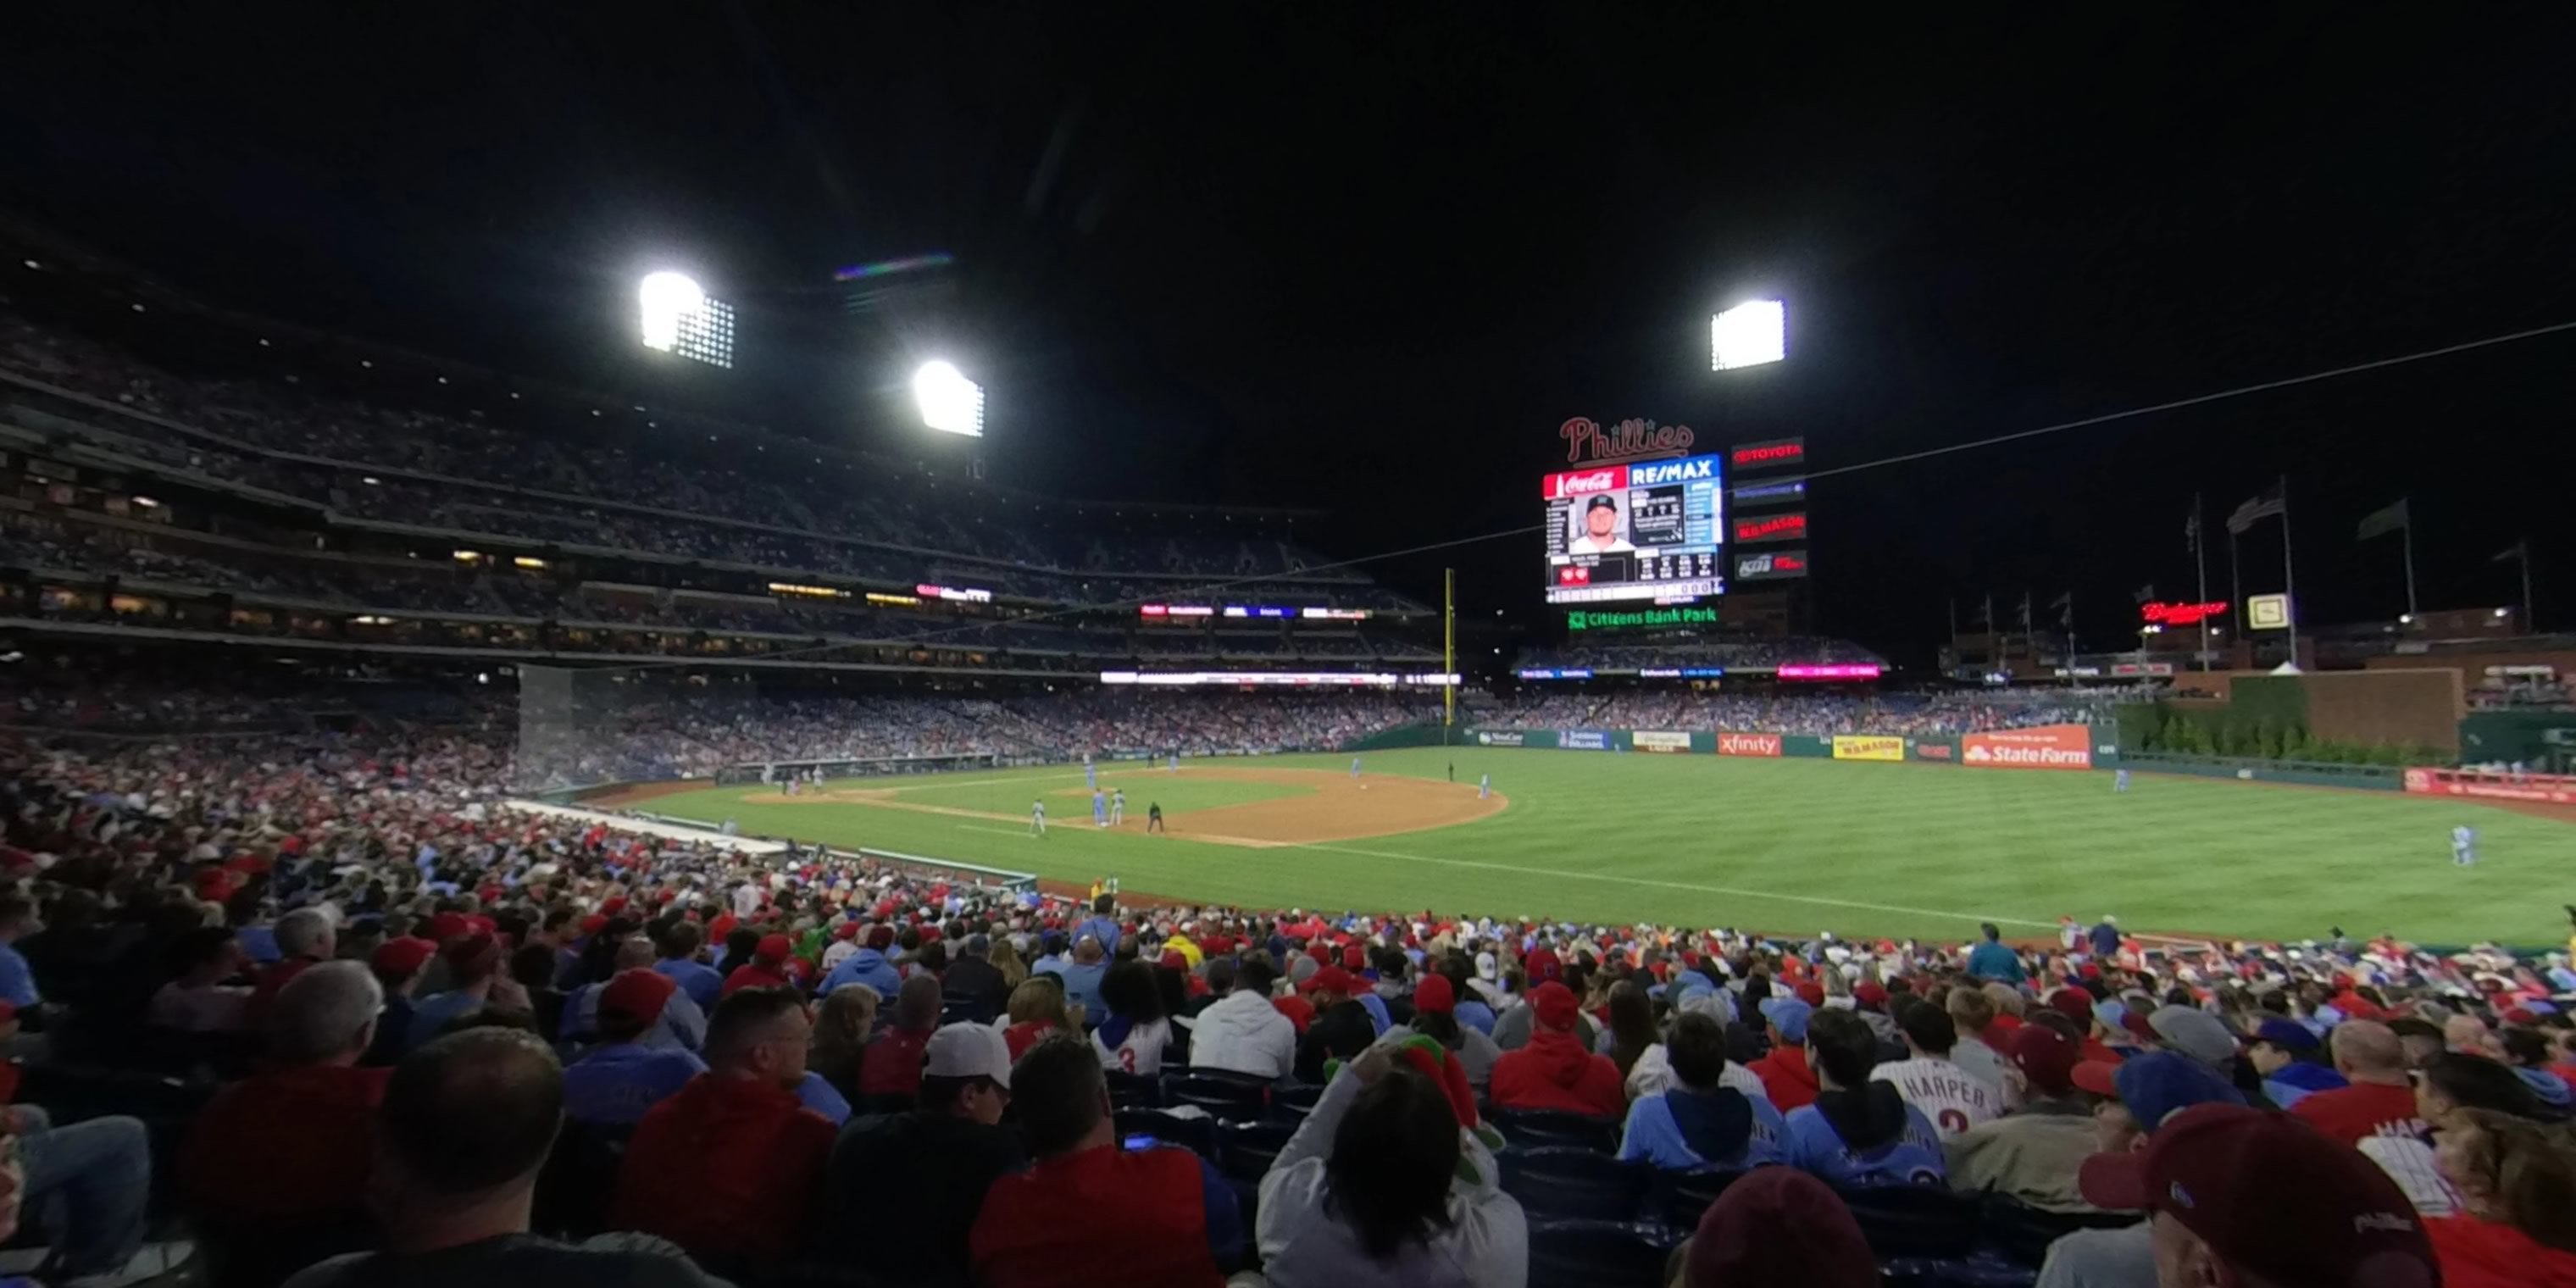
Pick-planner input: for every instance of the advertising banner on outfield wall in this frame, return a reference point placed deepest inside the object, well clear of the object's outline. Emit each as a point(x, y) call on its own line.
point(1660, 740)
point(1748, 744)
point(1868, 746)
point(1944, 750)
point(1500, 738)
point(2066, 746)
point(1583, 739)
point(2542, 789)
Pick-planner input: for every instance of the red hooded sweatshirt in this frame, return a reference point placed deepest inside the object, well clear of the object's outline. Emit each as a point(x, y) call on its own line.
point(2491, 1254)
point(1555, 1072)
point(1785, 1075)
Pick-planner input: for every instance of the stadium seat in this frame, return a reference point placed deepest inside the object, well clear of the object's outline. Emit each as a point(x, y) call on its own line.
point(1133, 1091)
point(1574, 1183)
point(262, 1256)
point(1193, 1132)
point(1550, 1128)
point(1913, 1220)
point(1682, 1198)
point(1231, 1099)
point(2023, 1233)
point(1292, 1104)
point(573, 1188)
point(1597, 1254)
point(1245, 1151)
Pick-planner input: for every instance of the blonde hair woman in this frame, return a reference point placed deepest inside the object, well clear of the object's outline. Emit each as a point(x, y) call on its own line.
point(841, 1028)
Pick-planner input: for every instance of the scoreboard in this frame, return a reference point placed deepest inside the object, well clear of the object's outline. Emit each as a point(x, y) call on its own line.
point(1646, 530)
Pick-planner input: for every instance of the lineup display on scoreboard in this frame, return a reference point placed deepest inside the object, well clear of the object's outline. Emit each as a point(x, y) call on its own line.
point(1648, 530)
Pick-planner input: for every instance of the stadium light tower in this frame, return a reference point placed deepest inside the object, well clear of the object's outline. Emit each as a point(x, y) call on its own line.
point(949, 401)
point(1748, 335)
point(679, 317)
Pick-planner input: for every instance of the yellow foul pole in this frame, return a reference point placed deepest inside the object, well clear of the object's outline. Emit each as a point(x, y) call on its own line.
point(1448, 646)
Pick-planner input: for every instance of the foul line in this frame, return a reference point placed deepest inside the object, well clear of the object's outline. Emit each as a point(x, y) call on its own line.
point(1737, 891)
point(1022, 833)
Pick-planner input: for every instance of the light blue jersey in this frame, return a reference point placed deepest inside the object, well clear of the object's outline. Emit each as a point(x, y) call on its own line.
point(1913, 1158)
point(2464, 846)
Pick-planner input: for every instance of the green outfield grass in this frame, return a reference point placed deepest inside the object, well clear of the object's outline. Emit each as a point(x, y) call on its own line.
point(1789, 845)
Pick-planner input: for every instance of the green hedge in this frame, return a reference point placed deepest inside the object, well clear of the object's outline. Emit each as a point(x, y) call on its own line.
point(2260, 723)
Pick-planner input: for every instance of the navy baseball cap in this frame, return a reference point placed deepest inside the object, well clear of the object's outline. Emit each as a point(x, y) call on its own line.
point(2287, 1034)
point(1600, 503)
point(2157, 1085)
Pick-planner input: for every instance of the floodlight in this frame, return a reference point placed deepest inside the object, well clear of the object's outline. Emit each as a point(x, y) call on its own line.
point(949, 401)
point(1751, 333)
point(681, 318)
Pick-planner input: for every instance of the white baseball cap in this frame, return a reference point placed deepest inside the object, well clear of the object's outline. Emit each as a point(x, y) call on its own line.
point(968, 1051)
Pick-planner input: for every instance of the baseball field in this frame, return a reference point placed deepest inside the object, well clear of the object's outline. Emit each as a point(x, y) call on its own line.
point(1782, 845)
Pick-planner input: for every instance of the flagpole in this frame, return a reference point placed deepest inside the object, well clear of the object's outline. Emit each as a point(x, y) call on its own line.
point(2409, 530)
point(2289, 583)
point(2200, 564)
point(2527, 627)
point(2236, 582)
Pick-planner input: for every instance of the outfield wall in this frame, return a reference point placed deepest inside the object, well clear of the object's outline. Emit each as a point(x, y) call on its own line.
point(2043, 747)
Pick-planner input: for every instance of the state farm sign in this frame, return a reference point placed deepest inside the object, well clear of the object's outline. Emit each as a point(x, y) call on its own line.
point(2067, 746)
point(1748, 744)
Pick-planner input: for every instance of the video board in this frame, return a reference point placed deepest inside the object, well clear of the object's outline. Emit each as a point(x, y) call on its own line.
point(1648, 530)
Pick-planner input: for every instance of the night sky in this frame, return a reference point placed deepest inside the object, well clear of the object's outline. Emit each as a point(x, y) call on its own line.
point(1365, 262)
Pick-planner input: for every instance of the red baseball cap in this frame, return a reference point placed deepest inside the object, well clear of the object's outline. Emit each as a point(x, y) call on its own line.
point(2271, 1196)
point(2073, 1003)
point(449, 925)
point(773, 948)
point(1810, 992)
point(638, 993)
point(1868, 993)
point(1435, 995)
point(1554, 1006)
point(402, 956)
point(1331, 979)
point(2045, 1057)
point(1354, 957)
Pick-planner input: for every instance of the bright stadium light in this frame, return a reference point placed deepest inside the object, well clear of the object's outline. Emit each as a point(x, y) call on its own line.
point(1750, 334)
point(949, 401)
point(680, 318)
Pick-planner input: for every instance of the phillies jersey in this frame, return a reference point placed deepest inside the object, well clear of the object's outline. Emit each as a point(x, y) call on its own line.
point(1953, 1098)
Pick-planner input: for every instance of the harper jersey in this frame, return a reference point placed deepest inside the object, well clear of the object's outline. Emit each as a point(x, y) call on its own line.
point(1953, 1098)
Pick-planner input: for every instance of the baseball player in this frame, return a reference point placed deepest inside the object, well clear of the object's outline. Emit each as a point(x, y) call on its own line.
point(1154, 816)
point(1117, 807)
point(1090, 773)
point(2119, 781)
point(1355, 769)
point(2464, 846)
point(1484, 786)
point(1037, 817)
point(1173, 765)
point(1099, 809)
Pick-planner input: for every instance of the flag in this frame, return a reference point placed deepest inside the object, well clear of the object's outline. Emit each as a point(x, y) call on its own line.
point(2144, 593)
point(2025, 610)
point(2191, 532)
point(2518, 550)
point(2262, 505)
point(2065, 606)
point(2381, 522)
point(1985, 613)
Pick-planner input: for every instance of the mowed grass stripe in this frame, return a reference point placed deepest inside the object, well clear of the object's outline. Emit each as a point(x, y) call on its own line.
point(1802, 846)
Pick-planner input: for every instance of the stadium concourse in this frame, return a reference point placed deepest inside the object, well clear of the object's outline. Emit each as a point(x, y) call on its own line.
point(252, 965)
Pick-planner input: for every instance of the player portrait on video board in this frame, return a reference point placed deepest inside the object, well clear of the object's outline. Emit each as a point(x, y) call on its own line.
point(1599, 528)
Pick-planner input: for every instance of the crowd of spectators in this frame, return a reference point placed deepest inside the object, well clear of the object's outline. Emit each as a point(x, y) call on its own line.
point(1817, 712)
point(326, 1006)
point(757, 497)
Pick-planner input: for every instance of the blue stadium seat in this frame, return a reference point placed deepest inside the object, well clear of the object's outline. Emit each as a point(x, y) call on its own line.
point(1597, 1254)
point(1231, 1099)
point(1292, 1104)
point(2023, 1233)
point(1190, 1131)
point(1913, 1220)
point(1682, 1198)
point(1550, 1128)
point(1575, 1183)
point(1244, 1151)
point(1133, 1090)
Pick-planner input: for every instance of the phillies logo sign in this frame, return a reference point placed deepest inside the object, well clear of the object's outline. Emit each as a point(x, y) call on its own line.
point(1586, 439)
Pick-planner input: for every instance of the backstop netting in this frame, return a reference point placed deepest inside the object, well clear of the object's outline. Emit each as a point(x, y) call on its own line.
point(582, 728)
